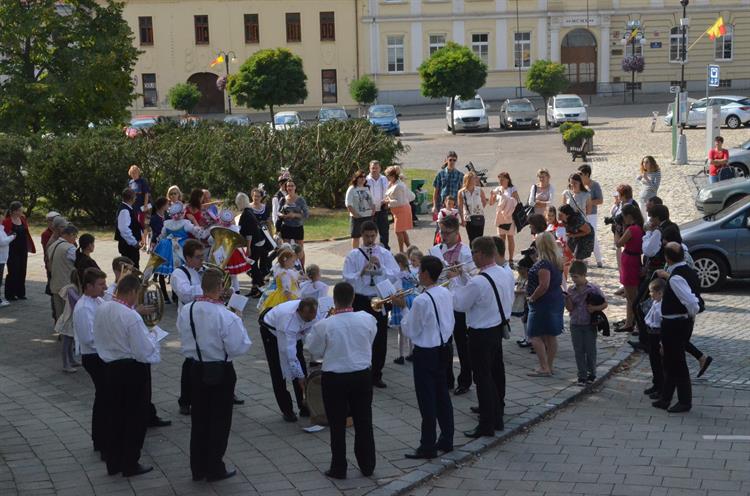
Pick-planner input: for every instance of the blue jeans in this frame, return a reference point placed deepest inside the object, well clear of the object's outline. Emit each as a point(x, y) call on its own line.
point(713, 179)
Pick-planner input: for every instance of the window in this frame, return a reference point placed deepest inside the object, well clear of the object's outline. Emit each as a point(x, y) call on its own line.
point(395, 53)
point(146, 30)
point(675, 44)
point(328, 80)
point(201, 29)
point(437, 41)
point(480, 46)
point(252, 28)
point(725, 83)
point(723, 45)
point(150, 97)
point(327, 26)
point(293, 28)
point(522, 50)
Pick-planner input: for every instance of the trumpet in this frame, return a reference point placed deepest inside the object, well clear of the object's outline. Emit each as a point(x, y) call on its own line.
point(377, 304)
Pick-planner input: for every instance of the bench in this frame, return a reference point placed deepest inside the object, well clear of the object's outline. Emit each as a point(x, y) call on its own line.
point(482, 174)
point(580, 151)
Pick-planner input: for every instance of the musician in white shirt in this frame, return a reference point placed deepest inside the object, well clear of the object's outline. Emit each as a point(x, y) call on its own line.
point(94, 284)
point(282, 329)
point(429, 324)
point(364, 268)
point(344, 343)
point(378, 184)
point(118, 264)
point(453, 252)
point(212, 336)
point(128, 348)
point(480, 299)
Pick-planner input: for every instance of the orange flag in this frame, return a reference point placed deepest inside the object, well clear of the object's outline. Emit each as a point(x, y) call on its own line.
point(217, 60)
point(717, 30)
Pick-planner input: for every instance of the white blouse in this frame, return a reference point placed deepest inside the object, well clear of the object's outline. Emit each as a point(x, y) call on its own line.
point(472, 203)
point(397, 195)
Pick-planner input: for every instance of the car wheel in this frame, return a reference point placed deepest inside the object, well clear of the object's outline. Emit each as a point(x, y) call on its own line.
point(733, 122)
point(734, 199)
point(740, 169)
point(711, 270)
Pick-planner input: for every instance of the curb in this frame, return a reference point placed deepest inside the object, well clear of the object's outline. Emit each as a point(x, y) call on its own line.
point(517, 425)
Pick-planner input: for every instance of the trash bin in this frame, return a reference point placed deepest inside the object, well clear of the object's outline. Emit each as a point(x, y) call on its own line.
point(419, 196)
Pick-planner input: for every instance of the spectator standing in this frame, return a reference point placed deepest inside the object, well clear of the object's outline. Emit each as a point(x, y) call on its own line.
point(264, 245)
point(649, 179)
point(62, 258)
point(257, 245)
point(360, 205)
point(18, 251)
point(83, 259)
point(399, 197)
point(277, 199)
point(506, 197)
point(378, 184)
point(542, 193)
point(447, 182)
point(174, 195)
point(129, 230)
point(577, 195)
point(47, 234)
point(471, 203)
point(718, 158)
point(142, 191)
point(193, 210)
point(631, 242)
point(579, 235)
point(293, 213)
point(597, 198)
point(156, 224)
point(5, 240)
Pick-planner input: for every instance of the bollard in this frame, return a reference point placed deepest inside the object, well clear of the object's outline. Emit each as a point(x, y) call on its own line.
point(682, 156)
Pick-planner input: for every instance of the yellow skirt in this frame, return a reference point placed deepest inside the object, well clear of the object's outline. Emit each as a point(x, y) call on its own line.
point(277, 296)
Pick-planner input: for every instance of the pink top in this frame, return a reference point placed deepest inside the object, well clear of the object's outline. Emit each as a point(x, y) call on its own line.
point(633, 246)
point(506, 204)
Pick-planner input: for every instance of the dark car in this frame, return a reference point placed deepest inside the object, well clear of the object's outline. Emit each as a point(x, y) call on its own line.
point(720, 244)
point(332, 114)
point(385, 118)
point(518, 113)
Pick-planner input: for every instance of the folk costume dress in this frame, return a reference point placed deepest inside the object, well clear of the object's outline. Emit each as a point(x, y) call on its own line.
point(239, 261)
point(284, 280)
point(173, 235)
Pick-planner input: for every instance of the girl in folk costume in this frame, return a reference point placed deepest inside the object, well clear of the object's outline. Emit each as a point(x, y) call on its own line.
point(285, 279)
point(449, 210)
point(407, 281)
point(238, 262)
point(173, 235)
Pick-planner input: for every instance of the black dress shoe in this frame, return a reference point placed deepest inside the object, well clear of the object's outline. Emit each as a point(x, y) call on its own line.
point(655, 395)
point(379, 384)
point(500, 426)
point(226, 475)
point(237, 401)
point(461, 390)
point(198, 477)
point(184, 410)
point(637, 346)
point(474, 409)
point(477, 433)
point(290, 417)
point(113, 471)
point(138, 469)
point(444, 449)
point(679, 408)
point(705, 366)
point(650, 390)
point(159, 422)
point(660, 404)
point(22, 298)
point(409, 358)
point(334, 475)
point(399, 360)
point(421, 455)
point(304, 412)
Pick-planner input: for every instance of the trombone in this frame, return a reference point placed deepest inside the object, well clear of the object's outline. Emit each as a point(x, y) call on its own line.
point(377, 304)
point(444, 274)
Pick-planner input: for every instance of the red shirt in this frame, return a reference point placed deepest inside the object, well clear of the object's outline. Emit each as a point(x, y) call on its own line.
point(715, 154)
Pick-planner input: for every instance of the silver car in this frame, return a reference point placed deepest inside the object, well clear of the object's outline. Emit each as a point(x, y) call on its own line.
point(715, 197)
point(739, 159)
point(518, 113)
point(720, 244)
point(468, 114)
point(735, 111)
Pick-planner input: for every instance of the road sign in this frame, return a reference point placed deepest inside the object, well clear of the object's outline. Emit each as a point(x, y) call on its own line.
point(713, 76)
point(674, 89)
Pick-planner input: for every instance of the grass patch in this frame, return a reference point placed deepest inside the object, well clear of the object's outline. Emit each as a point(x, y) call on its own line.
point(428, 175)
point(325, 223)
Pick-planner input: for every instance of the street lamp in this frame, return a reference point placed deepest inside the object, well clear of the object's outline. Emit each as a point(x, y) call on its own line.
point(634, 36)
point(683, 51)
point(520, 58)
point(227, 56)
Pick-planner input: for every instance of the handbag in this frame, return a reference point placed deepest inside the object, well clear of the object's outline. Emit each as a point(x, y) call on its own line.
point(521, 213)
point(445, 352)
point(476, 220)
point(211, 373)
point(504, 324)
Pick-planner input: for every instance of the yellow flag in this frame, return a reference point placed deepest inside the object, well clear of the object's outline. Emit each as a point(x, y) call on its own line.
point(217, 60)
point(633, 34)
point(717, 30)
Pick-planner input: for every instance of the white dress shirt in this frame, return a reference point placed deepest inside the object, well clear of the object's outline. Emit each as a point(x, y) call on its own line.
point(123, 225)
point(83, 323)
point(354, 263)
point(419, 322)
point(343, 341)
point(683, 292)
point(464, 257)
point(285, 323)
point(119, 333)
point(377, 190)
point(313, 289)
point(653, 317)
point(220, 332)
point(185, 288)
point(110, 292)
point(651, 243)
point(478, 300)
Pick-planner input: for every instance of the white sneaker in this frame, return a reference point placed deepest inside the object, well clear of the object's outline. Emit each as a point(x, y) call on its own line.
point(4, 303)
point(70, 370)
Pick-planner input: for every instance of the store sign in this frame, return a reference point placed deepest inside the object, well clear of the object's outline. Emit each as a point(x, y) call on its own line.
point(579, 21)
point(656, 44)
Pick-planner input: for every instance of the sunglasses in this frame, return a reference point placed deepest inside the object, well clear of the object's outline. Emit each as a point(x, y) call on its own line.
point(451, 160)
point(447, 232)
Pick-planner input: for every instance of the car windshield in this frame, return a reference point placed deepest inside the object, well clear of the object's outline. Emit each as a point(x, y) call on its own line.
point(285, 119)
point(568, 102)
point(730, 210)
point(473, 104)
point(236, 120)
point(520, 107)
point(379, 112)
point(142, 123)
point(332, 114)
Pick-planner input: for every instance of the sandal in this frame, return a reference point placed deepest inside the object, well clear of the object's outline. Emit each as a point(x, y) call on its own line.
point(537, 373)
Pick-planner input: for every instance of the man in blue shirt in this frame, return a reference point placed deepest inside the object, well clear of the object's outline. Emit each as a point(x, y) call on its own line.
point(447, 182)
point(142, 192)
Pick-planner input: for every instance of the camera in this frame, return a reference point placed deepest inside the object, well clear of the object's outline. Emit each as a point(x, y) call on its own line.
point(608, 221)
point(617, 219)
point(529, 252)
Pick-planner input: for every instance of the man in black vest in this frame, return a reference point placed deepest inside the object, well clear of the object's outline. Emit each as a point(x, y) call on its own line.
point(129, 231)
point(679, 307)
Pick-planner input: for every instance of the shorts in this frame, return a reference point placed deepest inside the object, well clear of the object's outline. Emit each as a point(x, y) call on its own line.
point(297, 233)
point(355, 226)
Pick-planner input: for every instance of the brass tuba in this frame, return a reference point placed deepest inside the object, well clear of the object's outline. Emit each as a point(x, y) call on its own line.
point(150, 293)
point(225, 242)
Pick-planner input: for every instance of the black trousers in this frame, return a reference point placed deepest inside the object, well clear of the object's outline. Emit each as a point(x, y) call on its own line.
point(261, 266)
point(655, 360)
point(211, 421)
point(380, 344)
point(96, 368)
point(15, 281)
point(283, 399)
point(151, 408)
point(132, 252)
point(487, 364)
point(461, 338)
point(675, 334)
point(349, 393)
point(185, 384)
point(433, 399)
point(128, 394)
point(474, 230)
point(380, 218)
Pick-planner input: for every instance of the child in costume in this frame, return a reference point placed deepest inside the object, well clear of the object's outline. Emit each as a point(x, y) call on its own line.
point(285, 278)
point(238, 262)
point(407, 281)
point(173, 235)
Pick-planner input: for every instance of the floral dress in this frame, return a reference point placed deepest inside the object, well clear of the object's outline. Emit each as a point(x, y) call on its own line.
point(407, 282)
point(284, 280)
point(172, 239)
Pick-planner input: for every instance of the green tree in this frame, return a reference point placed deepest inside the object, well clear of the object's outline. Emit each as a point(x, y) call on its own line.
point(363, 91)
point(184, 96)
point(64, 64)
point(547, 79)
point(453, 71)
point(269, 78)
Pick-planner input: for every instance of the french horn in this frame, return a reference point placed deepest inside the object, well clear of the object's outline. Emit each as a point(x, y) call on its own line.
point(150, 294)
point(225, 242)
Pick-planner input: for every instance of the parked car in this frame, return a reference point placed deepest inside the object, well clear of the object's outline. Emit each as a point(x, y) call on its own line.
point(715, 197)
point(735, 111)
point(468, 114)
point(567, 108)
point(720, 244)
point(287, 120)
point(237, 120)
point(385, 118)
point(142, 123)
point(326, 114)
point(518, 113)
point(739, 159)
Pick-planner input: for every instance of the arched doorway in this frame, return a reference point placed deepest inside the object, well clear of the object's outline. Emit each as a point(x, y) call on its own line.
point(578, 55)
point(212, 100)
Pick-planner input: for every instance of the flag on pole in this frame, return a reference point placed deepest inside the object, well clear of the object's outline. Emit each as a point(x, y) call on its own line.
point(633, 34)
point(217, 60)
point(717, 30)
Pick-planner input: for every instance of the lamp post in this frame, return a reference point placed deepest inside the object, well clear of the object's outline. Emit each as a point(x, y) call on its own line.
point(227, 56)
point(520, 60)
point(683, 51)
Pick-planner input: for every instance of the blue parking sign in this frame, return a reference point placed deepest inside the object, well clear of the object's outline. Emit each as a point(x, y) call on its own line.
point(713, 76)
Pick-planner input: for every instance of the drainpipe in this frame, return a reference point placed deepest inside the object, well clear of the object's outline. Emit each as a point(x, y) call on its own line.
point(356, 35)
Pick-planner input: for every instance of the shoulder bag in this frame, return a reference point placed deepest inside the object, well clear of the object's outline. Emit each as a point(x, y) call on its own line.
point(521, 212)
point(212, 373)
point(504, 324)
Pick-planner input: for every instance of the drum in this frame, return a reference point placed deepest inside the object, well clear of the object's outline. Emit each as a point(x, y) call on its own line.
point(314, 397)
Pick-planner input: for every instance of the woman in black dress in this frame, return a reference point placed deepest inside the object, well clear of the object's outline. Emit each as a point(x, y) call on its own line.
point(18, 251)
point(257, 244)
point(83, 256)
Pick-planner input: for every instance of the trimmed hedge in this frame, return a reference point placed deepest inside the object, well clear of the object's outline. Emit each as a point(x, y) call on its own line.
point(576, 133)
point(85, 173)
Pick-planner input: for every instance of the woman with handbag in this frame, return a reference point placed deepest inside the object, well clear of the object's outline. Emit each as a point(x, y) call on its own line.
point(542, 193)
point(471, 203)
point(399, 198)
point(577, 195)
point(506, 197)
